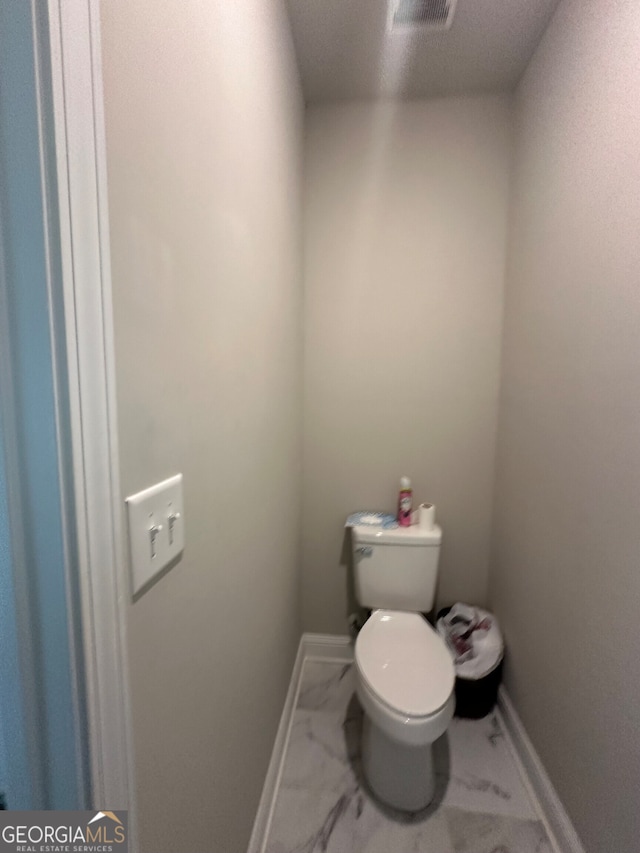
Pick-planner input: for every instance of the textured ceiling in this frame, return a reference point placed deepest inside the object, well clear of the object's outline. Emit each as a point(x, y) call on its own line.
point(344, 50)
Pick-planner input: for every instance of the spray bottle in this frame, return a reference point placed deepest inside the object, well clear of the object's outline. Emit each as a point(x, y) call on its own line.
point(405, 498)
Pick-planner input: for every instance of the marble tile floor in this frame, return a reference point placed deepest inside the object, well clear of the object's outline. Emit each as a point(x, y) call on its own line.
point(322, 804)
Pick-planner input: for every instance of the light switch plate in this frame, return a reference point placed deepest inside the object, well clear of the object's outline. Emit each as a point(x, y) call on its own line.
point(156, 530)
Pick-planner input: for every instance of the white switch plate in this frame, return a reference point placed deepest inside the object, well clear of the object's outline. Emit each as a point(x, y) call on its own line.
point(156, 530)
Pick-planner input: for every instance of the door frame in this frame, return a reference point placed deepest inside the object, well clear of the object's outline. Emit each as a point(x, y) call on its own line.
point(73, 33)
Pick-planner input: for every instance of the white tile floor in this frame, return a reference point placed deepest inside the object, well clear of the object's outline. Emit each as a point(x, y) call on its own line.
point(322, 804)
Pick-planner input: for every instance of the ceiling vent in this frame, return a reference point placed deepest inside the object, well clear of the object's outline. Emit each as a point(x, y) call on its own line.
point(433, 15)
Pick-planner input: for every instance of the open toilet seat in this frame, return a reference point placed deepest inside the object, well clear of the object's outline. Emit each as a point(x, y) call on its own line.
point(405, 677)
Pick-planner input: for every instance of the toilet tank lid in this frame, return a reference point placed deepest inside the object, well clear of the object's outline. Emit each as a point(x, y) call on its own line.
point(412, 535)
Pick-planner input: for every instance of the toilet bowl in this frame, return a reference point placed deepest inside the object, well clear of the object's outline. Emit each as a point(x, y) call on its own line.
point(405, 683)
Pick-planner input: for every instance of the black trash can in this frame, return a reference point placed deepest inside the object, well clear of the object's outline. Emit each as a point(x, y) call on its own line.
point(476, 698)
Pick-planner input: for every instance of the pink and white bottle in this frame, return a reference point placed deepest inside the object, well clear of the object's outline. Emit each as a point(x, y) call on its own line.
point(405, 498)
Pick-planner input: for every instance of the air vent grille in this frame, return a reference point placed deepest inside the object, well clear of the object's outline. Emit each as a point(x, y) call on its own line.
point(433, 14)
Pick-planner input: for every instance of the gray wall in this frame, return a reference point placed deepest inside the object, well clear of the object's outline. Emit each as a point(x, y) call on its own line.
point(405, 228)
point(204, 142)
point(565, 577)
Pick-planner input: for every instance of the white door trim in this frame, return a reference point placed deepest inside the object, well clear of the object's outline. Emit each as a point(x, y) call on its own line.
point(74, 34)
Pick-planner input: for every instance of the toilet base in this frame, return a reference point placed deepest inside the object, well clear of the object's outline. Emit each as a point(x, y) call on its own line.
point(400, 776)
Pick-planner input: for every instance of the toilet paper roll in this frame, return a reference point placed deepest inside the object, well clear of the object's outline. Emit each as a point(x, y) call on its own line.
point(426, 516)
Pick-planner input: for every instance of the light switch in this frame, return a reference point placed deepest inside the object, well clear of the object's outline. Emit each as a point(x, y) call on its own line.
point(156, 530)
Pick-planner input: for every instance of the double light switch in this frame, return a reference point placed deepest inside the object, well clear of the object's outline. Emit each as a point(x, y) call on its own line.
point(156, 530)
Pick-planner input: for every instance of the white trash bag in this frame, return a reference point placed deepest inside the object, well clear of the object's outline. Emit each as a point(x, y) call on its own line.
point(473, 639)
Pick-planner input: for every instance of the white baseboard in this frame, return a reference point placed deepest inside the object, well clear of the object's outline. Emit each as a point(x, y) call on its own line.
point(312, 647)
point(265, 807)
point(550, 805)
point(328, 647)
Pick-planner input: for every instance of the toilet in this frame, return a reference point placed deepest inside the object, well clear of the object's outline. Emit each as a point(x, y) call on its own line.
point(404, 673)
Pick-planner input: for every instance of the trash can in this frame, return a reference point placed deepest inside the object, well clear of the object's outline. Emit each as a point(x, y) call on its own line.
point(474, 640)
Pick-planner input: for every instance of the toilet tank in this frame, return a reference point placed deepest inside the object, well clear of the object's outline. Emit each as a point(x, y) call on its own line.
point(396, 569)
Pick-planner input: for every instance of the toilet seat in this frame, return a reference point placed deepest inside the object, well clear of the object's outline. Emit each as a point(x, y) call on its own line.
point(404, 663)
point(405, 676)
